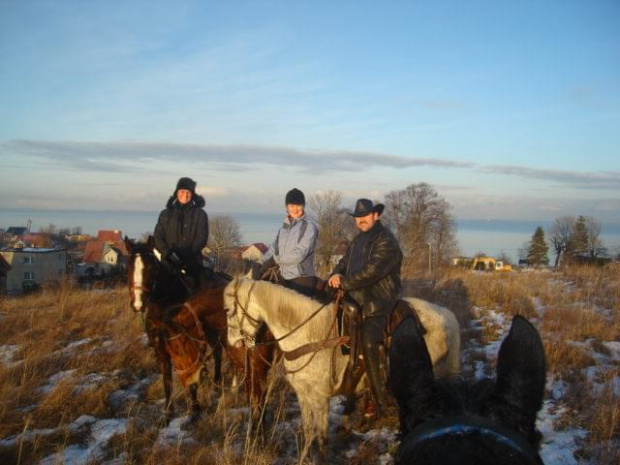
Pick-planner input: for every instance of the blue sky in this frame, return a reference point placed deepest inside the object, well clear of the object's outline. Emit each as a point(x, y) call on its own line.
point(510, 109)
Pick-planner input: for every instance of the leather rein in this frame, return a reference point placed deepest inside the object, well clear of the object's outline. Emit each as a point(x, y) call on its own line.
point(309, 348)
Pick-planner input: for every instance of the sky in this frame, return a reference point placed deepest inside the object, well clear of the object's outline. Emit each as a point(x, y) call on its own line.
point(511, 110)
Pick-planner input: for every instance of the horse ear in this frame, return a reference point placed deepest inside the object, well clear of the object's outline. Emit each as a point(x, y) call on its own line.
point(411, 371)
point(128, 244)
point(521, 369)
point(150, 243)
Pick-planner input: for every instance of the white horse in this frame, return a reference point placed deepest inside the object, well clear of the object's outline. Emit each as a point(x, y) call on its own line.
point(296, 320)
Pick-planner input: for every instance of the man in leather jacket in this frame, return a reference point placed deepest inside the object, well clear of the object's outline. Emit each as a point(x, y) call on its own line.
point(370, 273)
point(182, 231)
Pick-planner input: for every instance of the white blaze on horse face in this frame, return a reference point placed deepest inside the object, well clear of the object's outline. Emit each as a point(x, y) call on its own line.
point(137, 301)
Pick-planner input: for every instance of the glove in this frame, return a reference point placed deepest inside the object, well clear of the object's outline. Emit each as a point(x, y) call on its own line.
point(265, 267)
point(175, 264)
point(175, 259)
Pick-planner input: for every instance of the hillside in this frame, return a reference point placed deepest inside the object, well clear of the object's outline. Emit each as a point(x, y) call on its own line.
point(79, 384)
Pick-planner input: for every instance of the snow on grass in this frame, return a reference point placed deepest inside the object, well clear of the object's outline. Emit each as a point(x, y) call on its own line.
point(557, 447)
point(7, 352)
point(26, 436)
point(55, 379)
point(101, 433)
point(175, 434)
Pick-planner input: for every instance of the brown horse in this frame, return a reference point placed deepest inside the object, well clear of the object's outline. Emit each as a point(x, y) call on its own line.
point(182, 329)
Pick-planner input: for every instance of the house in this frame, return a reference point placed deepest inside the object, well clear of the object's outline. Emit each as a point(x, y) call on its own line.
point(103, 255)
point(78, 238)
point(16, 231)
point(33, 267)
point(4, 270)
point(254, 252)
point(36, 240)
point(113, 235)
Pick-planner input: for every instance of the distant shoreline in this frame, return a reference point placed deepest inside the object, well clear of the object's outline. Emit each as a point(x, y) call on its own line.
point(491, 236)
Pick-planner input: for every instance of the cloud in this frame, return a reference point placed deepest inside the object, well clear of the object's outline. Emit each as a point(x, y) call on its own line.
point(574, 179)
point(126, 156)
point(133, 156)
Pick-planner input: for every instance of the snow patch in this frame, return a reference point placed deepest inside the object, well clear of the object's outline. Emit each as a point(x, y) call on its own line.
point(102, 432)
point(558, 446)
point(174, 434)
point(7, 353)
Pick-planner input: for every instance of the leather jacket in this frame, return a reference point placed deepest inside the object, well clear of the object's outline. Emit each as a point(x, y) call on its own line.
point(375, 281)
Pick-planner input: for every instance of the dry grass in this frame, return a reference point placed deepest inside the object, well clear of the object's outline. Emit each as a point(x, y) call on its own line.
point(95, 339)
point(577, 311)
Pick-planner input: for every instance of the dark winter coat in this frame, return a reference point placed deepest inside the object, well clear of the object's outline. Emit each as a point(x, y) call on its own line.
point(370, 270)
point(182, 229)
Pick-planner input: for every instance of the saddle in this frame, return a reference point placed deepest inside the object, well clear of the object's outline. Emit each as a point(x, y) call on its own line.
point(350, 322)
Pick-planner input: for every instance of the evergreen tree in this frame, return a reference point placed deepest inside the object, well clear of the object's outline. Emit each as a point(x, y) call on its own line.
point(538, 248)
point(578, 243)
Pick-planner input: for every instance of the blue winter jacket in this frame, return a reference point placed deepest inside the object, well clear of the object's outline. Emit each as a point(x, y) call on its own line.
point(293, 249)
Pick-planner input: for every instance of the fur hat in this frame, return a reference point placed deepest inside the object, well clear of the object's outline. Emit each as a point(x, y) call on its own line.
point(295, 197)
point(186, 183)
point(364, 207)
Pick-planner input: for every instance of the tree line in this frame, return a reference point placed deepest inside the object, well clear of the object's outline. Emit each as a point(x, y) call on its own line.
point(425, 226)
point(573, 240)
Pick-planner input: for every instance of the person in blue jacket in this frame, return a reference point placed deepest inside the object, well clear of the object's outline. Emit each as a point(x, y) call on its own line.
point(293, 249)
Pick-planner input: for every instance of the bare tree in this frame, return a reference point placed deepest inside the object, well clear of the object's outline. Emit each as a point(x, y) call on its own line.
point(559, 236)
point(334, 225)
point(422, 221)
point(223, 232)
point(595, 247)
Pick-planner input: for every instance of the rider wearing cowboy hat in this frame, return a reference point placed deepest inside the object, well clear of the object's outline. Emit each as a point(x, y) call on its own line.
point(370, 273)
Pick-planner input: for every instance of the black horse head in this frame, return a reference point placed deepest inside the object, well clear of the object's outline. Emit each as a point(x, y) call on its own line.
point(491, 421)
point(149, 280)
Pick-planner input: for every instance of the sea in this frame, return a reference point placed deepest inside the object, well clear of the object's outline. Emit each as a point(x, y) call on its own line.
point(490, 236)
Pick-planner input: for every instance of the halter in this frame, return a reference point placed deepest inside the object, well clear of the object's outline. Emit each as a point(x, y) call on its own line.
point(310, 348)
point(148, 290)
point(463, 426)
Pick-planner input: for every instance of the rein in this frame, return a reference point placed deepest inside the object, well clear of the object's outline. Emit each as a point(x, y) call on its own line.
point(310, 348)
point(201, 341)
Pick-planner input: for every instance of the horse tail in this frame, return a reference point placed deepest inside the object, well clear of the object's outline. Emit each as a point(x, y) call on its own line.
point(411, 370)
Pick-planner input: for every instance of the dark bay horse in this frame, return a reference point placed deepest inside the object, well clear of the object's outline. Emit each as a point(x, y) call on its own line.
point(489, 422)
point(186, 331)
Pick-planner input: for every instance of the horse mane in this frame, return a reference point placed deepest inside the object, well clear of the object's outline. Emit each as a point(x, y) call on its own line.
point(288, 306)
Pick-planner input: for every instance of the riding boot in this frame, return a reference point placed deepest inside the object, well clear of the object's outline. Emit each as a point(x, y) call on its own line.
point(372, 336)
point(374, 367)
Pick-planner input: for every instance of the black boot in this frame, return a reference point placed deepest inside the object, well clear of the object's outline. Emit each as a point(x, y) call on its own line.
point(374, 369)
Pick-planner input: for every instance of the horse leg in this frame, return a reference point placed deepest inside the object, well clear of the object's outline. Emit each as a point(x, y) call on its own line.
point(195, 406)
point(166, 371)
point(315, 422)
point(217, 361)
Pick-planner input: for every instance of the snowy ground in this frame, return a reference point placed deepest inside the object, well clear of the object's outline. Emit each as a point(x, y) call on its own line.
point(558, 446)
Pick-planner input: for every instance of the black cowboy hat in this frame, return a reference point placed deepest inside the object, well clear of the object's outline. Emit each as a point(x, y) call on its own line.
point(364, 207)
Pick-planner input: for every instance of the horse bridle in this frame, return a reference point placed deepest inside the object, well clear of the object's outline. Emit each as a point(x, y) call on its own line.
point(148, 291)
point(244, 314)
point(462, 426)
point(313, 347)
